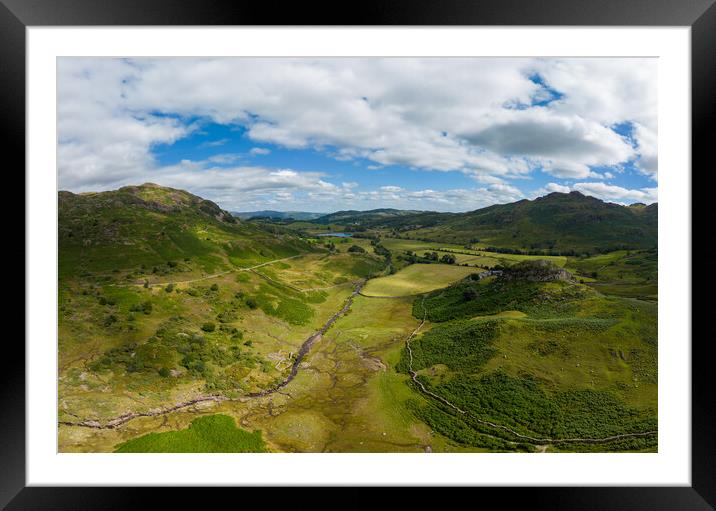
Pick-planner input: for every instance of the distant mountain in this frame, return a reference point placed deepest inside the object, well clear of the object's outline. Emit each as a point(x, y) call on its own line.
point(282, 215)
point(558, 221)
point(150, 225)
point(373, 216)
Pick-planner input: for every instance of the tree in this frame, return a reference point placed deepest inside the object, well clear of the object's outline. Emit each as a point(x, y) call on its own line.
point(356, 249)
point(164, 372)
point(251, 303)
point(214, 287)
point(208, 326)
point(448, 259)
point(169, 288)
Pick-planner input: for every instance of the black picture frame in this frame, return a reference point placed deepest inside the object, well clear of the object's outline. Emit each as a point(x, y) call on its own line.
point(700, 15)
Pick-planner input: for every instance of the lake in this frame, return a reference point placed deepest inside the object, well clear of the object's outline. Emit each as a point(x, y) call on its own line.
point(336, 234)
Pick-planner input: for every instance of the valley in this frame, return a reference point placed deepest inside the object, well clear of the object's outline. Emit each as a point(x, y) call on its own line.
point(525, 327)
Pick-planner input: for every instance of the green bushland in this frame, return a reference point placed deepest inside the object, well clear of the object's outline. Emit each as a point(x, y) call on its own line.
point(212, 433)
point(213, 356)
point(524, 406)
point(283, 302)
point(471, 297)
point(566, 370)
point(460, 345)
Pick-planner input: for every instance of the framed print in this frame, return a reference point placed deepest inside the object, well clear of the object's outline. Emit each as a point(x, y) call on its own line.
point(421, 246)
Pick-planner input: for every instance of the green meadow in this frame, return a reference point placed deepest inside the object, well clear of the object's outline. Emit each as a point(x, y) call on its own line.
point(416, 279)
point(213, 433)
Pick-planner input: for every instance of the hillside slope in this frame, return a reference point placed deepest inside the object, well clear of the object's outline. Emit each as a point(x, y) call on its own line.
point(149, 225)
point(370, 217)
point(558, 221)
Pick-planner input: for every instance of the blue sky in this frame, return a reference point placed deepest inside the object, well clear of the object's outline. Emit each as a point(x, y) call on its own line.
point(329, 134)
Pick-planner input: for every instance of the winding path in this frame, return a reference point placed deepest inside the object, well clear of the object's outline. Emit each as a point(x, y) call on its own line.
point(414, 377)
point(303, 351)
point(213, 276)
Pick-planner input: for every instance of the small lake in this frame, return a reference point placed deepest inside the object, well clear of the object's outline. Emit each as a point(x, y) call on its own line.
point(336, 234)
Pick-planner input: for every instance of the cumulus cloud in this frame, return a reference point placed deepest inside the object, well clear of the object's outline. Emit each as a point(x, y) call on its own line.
point(259, 151)
point(604, 191)
point(474, 116)
point(648, 150)
point(564, 145)
point(612, 192)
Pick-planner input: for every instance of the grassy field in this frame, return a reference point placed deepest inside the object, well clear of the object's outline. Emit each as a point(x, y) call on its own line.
point(471, 254)
point(624, 273)
point(416, 279)
point(213, 433)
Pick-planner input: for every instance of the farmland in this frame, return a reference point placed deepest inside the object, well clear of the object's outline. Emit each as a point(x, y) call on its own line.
point(416, 279)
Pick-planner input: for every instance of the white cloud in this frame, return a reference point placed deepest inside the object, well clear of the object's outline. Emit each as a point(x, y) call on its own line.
point(565, 145)
point(606, 192)
point(611, 192)
point(554, 187)
point(259, 151)
point(214, 143)
point(428, 114)
point(648, 149)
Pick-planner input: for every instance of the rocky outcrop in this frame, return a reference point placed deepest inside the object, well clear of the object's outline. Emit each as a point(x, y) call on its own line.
point(539, 270)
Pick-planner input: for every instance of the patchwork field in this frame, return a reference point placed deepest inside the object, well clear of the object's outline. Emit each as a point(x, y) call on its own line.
point(416, 279)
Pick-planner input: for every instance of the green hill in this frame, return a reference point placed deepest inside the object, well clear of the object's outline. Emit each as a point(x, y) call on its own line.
point(560, 222)
point(280, 215)
point(152, 225)
point(370, 217)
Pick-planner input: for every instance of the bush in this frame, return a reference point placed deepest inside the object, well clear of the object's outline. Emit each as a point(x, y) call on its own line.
point(214, 287)
point(169, 288)
point(145, 307)
point(251, 303)
point(356, 249)
point(164, 372)
point(208, 326)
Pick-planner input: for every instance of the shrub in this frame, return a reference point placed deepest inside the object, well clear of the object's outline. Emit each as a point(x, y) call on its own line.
point(164, 372)
point(208, 326)
point(251, 303)
point(214, 287)
point(169, 288)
